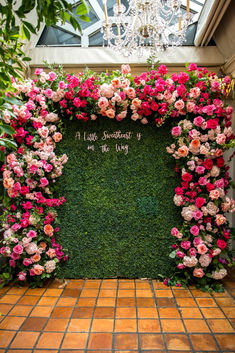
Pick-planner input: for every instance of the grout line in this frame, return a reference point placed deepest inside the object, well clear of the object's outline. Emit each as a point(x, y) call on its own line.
point(137, 320)
point(114, 321)
point(182, 320)
point(92, 317)
point(70, 318)
point(211, 332)
point(159, 319)
point(48, 318)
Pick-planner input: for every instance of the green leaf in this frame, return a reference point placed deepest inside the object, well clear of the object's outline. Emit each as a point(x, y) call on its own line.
point(4, 76)
point(2, 156)
point(83, 8)
point(26, 58)
point(12, 100)
point(8, 143)
point(29, 26)
point(84, 18)
point(7, 129)
point(172, 254)
point(25, 33)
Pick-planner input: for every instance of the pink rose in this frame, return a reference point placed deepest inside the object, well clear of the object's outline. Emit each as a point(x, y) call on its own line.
point(202, 249)
point(197, 241)
point(176, 131)
point(43, 132)
point(221, 139)
point(194, 230)
point(179, 105)
point(174, 231)
point(16, 227)
point(198, 272)
point(180, 266)
point(202, 181)
point(27, 262)
point(197, 215)
point(110, 113)
point(198, 121)
point(52, 76)
point(192, 252)
point(199, 202)
point(190, 107)
point(185, 245)
point(125, 69)
point(18, 249)
point(31, 234)
point(38, 71)
point(200, 169)
point(103, 103)
point(21, 276)
point(43, 182)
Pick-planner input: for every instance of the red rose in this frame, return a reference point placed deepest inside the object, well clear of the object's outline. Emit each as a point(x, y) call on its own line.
point(212, 123)
point(221, 244)
point(187, 177)
point(220, 162)
point(199, 202)
point(210, 187)
point(208, 164)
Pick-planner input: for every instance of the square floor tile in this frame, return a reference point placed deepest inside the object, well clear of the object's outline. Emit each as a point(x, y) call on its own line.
point(82, 313)
point(210, 313)
point(71, 292)
point(172, 325)
point(42, 311)
point(151, 341)
point(126, 293)
point(220, 326)
point(48, 301)
point(104, 313)
point(203, 342)
point(142, 285)
point(56, 325)
point(62, 312)
point(50, 340)
point(147, 313)
point(89, 293)
point(20, 310)
point(66, 302)
point(17, 291)
point(182, 293)
point(5, 338)
point(75, 341)
point(166, 302)
point(79, 325)
point(106, 284)
point(126, 341)
point(146, 302)
point(125, 325)
point(177, 342)
point(35, 291)
point(196, 325)
point(128, 313)
point(200, 294)
point(11, 323)
point(77, 284)
point(229, 312)
point(5, 308)
point(9, 299)
point(186, 302)
point(226, 342)
point(188, 313)
point(126, 285)
point(225, 301)
point(107, 293)
point(106, 302)
point(102, 325)
point(148, 325)
point(144, 293)
point(25, 340)
point(166, 293)
point(34, 324)
point(169, 313)
point(28, 300)
point(86, 302)
point(206, 302)
point(126, 302)
point(100, 341)
point(92, 284)
point(53, 292)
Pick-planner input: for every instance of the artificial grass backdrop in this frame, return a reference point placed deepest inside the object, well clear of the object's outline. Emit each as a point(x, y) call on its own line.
point(119, 209)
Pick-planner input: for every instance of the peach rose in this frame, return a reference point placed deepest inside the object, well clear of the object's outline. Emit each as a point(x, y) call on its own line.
point(38, 269)
point(116, 82)
point(198, 272)
point(183, 151)
point(195, 144)
point(110, 113)
point(220, 219)
point(36, 258)
point(51, 253)
point(42, 245)
point(8, 183)
point(48, 230)
point(136, 102)
point(57, 136)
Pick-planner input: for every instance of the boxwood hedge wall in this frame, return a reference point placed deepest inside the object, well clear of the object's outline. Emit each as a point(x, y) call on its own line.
point(119, 209)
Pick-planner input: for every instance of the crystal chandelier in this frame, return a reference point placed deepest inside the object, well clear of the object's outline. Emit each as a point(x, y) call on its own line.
point(146, 25)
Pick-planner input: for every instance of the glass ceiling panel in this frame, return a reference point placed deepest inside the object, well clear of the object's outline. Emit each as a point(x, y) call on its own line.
point(65, 35)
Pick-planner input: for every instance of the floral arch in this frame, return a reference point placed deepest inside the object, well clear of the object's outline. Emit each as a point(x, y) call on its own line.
point(192, 100)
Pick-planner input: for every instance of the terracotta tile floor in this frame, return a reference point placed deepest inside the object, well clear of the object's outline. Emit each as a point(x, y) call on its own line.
point(114, 315)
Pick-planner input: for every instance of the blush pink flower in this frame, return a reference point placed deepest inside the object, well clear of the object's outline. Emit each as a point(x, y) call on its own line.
point(44, 182)
point(18, 249)
point(176, 131)
point(198, 272)
point(202, 249)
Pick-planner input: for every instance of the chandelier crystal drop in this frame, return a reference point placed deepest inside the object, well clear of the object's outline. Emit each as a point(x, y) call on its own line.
point(146, 26)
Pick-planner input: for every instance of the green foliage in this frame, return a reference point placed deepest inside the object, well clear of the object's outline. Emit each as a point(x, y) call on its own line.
point(14, 29)
point(119, 209)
